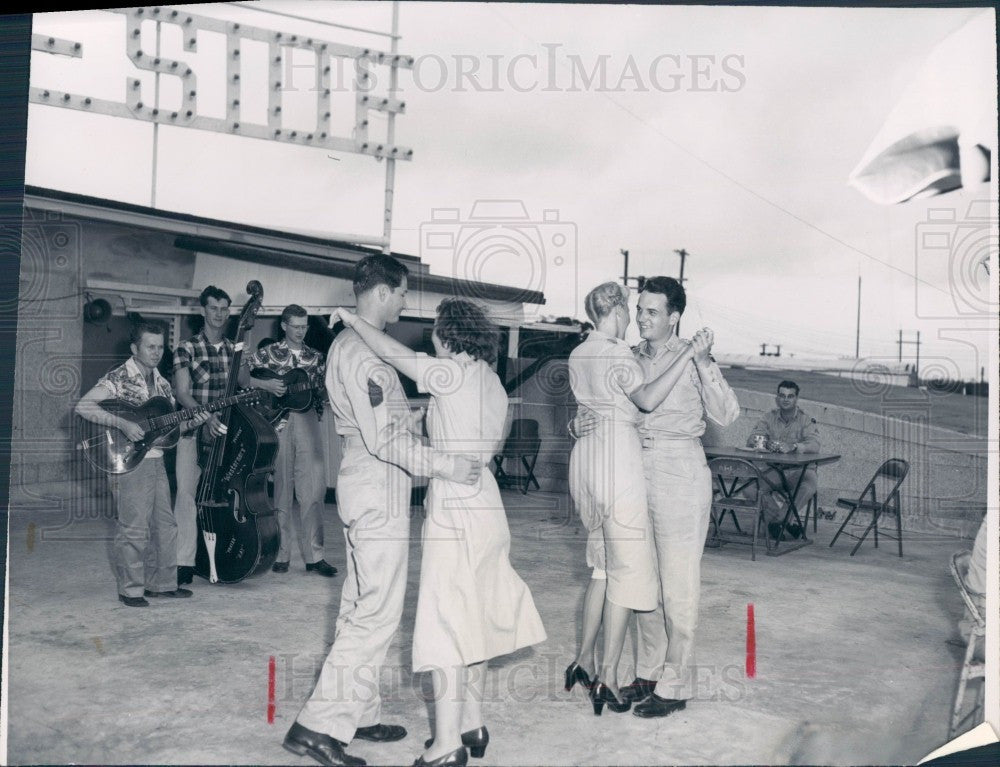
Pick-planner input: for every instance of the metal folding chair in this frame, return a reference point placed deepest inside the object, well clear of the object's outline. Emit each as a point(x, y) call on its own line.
point(971, 668)
point(890, 474)
point(522, 444)
point(737, 485)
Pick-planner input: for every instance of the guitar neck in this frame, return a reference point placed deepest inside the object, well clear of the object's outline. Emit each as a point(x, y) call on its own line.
point(172, 419)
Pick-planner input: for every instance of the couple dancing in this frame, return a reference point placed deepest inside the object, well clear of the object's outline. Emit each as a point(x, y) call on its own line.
point(472, 606)
point(643, 489)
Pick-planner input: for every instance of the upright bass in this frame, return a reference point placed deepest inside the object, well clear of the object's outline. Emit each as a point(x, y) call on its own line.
point(237, 528)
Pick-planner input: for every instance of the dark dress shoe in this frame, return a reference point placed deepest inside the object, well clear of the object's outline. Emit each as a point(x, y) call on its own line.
point(132, 601)
point(280, 567)
point(774, 530)
point(185, 574)
point(794, 531)
point(177, 593)
point(455, 758)
point(574, 674)
point(322, 567)
point(475, 740)
point(640, 689)
point(655, 706)
point(601, 696)
point(381, 733)
point(320, 746)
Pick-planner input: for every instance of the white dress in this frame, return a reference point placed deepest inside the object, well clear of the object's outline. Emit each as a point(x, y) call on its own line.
point(471, 605)
point(606, 472)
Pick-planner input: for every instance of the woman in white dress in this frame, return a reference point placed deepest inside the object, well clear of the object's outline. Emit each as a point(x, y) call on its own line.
point(608, 487)
point(471, 604)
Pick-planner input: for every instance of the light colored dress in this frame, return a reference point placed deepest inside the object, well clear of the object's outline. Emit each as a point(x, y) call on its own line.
point(606, 472)
point(471, 604)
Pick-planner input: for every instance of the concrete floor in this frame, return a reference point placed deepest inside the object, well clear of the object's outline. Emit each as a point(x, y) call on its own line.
point(852, 664)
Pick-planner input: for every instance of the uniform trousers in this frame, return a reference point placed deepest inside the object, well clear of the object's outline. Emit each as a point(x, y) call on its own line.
point(146, 535)
point(185, 509)
point(773, 512)
point(679, 494)
point(373, 501)
point(300, 474)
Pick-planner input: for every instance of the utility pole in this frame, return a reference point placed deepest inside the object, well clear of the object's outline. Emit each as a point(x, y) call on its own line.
point(639, 281)
point(857, 335)
point(899, 358)
point(683, 254)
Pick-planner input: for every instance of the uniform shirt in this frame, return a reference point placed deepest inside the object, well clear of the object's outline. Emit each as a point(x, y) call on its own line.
point(279, 358)
point(208, 365)
point(682, 414)
point(367, 401)
point(602, 372)
point(801, 429)
point(127, 383)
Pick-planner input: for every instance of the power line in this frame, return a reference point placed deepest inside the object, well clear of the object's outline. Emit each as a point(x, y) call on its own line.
point(736, 182)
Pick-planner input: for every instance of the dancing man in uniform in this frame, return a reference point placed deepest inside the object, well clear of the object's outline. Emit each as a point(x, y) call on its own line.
point(380, 453)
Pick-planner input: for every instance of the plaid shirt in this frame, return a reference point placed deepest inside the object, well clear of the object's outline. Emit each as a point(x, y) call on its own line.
point(209, 366)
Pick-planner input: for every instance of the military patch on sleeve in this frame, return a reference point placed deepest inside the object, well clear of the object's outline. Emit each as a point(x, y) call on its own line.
point(375, 394)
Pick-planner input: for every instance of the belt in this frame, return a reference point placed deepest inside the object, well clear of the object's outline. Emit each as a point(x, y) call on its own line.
point(650, 441)
point(351, 441)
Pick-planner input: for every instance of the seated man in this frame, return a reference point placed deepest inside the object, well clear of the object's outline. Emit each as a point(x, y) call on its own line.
point(788, 430)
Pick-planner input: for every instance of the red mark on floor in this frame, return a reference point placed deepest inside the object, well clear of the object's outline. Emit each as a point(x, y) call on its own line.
point(751, 670)
point(270, 690)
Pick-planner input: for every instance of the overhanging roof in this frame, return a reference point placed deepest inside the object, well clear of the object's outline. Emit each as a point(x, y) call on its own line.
point(255, 244)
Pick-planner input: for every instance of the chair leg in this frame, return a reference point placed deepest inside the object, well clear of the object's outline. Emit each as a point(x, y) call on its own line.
point(815, 509)
point(758, 521)
point(963, 678)
point(843, 525)
point(873, 524)
point(899, 528)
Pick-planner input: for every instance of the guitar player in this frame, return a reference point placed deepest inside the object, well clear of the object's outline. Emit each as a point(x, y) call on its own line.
point(300, 468)
point(142, 496)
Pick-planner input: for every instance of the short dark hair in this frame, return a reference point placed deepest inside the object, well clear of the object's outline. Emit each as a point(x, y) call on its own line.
point(464, 327)
point(293, 310)
point(213, 292)
point(789, 385)
point(375, 270)
point(669, 287)
point(141, 326)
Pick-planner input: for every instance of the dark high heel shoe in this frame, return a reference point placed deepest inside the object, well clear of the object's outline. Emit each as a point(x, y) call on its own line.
point(576, 674)
point(457, 758)
point(600, 694)
point(475, 740)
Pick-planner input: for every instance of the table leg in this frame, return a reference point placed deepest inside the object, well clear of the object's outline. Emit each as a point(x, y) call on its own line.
point(791, 511)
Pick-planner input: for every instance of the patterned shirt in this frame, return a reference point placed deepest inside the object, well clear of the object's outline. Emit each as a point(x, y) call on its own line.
point(208, 365)
point(128, 383)
point(279, 358)
point(682, 414)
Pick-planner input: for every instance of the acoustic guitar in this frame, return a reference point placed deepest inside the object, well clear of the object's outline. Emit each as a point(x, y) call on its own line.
point(299, 393)
point(108, 449)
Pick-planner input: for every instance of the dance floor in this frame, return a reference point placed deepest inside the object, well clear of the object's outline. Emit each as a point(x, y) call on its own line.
point(852, 665)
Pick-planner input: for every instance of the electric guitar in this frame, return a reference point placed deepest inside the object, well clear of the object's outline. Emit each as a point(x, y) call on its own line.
point(108, 449)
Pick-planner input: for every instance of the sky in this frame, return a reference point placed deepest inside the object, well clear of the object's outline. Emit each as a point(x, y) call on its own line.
point(728, 132)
